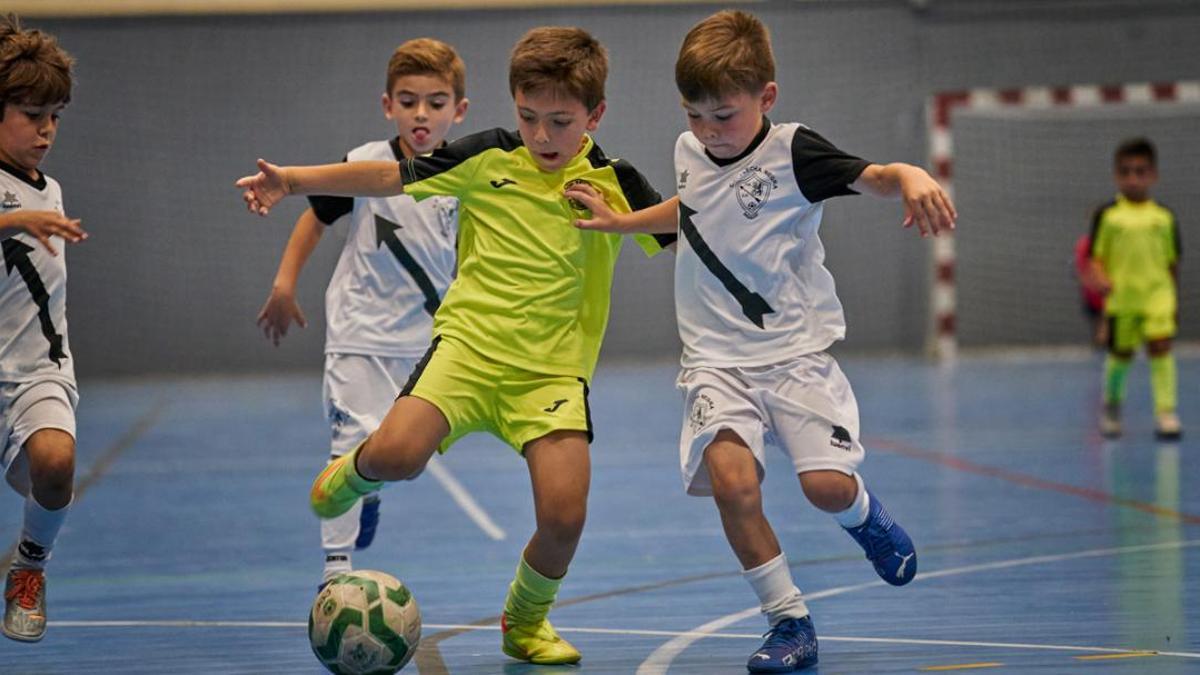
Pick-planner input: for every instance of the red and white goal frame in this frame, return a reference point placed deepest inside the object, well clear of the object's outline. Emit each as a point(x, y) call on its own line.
point(943, 342)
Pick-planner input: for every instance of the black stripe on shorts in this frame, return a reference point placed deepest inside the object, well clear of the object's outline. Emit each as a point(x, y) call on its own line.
point(587, 411)
point(420, 368)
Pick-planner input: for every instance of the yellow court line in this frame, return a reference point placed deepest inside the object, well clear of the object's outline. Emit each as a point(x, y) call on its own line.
point(965, 666)
point(1122, 655)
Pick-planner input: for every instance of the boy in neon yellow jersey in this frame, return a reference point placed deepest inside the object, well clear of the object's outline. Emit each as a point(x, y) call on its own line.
point(1135, 257)
point(518, 333)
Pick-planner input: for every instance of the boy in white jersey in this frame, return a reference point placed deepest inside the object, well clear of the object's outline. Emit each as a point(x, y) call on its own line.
point(37, 375)
point(396, 264)
point(757, 309)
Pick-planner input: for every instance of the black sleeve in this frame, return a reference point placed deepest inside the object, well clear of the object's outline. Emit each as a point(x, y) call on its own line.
point(1178, 238)
point(328, 209)
point(450, 155)
point(822, 171)
point(1096, 218)
point(640, 194)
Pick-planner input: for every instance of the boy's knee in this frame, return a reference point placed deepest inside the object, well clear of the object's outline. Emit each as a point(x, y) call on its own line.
point(1159, 347)
point(51, 455)
point(736, 492)
point(564, 523)
point(392, 457)
point(830, 491)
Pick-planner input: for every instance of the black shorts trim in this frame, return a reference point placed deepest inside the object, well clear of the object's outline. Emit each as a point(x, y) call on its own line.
point(587, 411)
point(419, 369)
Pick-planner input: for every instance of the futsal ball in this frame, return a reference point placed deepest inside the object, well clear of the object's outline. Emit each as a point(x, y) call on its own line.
point(364, 623)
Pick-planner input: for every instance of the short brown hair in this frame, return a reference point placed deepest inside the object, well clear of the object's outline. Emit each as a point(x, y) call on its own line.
point(565, 61)
point(727, 53)
point(427, 56)
point(1136, 147)
point(33, 68)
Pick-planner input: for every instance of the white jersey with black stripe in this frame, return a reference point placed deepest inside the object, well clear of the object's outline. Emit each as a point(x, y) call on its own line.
point(751, 287)
point(397, 262)
point(33, 288)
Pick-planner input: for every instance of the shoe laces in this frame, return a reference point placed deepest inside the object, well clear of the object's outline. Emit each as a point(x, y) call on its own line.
point(783, 634)
point(25, 586)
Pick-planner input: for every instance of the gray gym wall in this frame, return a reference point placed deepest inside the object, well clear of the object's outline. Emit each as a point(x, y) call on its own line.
point(168, 111)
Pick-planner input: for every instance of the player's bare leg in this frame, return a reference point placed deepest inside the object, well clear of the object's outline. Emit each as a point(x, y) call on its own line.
point(51, 465)
point(560, 473)
point(791, 642)
point(398, 450)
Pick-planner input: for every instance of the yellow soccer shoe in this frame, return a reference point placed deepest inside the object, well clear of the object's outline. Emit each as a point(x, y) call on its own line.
point(536, 643)
point(337, 487)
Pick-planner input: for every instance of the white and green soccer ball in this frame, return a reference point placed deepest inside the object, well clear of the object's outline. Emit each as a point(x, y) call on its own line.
point(364, 623)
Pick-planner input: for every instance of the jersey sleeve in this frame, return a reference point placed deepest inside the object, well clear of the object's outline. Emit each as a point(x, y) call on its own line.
point(640, 195)
point(451, 169)
point(822, 170)
point(328, 208)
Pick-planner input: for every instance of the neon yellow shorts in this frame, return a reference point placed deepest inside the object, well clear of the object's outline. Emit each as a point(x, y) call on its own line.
point(476, 393)
point(1126, 332)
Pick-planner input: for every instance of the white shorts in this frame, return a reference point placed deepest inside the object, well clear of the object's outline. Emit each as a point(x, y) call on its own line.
point(29, 407)
point(804, 406)
point(357, 393)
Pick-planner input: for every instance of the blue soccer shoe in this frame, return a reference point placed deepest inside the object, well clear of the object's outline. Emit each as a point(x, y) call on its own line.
point(790, 645)
point(887, 545)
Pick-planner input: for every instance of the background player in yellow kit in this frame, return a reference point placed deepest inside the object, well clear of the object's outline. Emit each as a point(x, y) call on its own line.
point(1135, 257)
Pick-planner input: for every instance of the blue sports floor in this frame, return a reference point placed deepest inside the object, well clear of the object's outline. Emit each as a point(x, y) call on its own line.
point(191, 549)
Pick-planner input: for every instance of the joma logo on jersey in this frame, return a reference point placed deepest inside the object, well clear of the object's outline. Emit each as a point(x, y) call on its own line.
point(753, 189)
point(10, 200)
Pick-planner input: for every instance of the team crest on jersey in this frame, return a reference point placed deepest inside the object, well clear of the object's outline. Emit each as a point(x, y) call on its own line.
point(702, 408)
point(683, 176)
point(753, 188)
point(575, 203)
point(10, 200)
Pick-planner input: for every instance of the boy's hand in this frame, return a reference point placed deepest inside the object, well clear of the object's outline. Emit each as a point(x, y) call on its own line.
point(264, 189)
point(926, 204)
point(603, 218)
point(45, 224)
point(280, 310)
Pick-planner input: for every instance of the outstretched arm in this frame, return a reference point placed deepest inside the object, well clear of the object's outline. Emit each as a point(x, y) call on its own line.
point(42, 225)
point(926, 204)
point(662, 218)
point(353, 179)
point(281, 308)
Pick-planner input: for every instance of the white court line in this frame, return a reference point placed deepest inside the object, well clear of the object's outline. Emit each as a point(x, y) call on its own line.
point(660, 659)
point(464, 500)
point(621, 631)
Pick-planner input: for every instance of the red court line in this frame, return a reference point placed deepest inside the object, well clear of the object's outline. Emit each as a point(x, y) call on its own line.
point(1028, 481)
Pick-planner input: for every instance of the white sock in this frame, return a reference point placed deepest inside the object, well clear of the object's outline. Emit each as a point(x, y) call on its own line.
point(778, 595)
point(336, 562)
point(856, 514)
point(38, 533)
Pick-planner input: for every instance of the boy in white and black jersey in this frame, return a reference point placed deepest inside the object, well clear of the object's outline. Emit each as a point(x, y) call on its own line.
point(396, 264)
point(757, 309)
point(38, 394)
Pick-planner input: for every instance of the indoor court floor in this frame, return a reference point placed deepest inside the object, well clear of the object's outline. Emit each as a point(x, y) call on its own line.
point(1042, 547)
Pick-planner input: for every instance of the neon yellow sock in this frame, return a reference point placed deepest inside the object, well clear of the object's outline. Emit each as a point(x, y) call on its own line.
point(354, 478)
point(1162, 382)
point(1115, 372)
point(530, 595)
